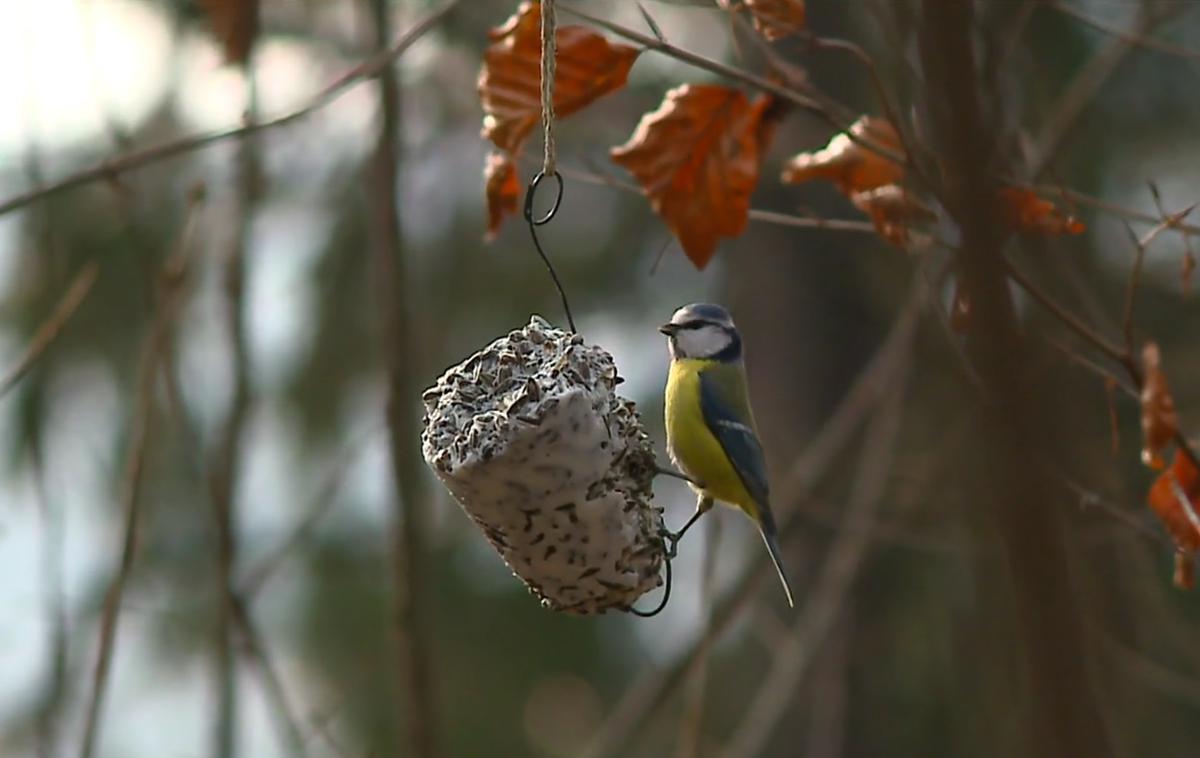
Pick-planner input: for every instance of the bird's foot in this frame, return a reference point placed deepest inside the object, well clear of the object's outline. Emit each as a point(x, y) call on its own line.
point(662, 471)
point(671, 540)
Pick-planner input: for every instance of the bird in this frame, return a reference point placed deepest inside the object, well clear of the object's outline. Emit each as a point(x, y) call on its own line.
point(711, 436)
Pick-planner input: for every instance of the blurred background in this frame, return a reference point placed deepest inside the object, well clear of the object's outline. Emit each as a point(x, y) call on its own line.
point(264, 447)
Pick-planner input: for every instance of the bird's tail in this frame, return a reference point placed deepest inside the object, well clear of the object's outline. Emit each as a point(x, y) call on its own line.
point(773, 549)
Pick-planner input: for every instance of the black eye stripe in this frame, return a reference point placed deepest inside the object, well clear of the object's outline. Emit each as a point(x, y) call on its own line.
point(696, 325)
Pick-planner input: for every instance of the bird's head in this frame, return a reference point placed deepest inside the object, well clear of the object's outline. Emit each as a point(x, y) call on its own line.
point(703, 330)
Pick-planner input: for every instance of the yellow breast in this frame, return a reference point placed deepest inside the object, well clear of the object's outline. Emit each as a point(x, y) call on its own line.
point(692, 446)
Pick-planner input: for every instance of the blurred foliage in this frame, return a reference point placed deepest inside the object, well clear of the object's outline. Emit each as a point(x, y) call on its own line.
point(916, 638)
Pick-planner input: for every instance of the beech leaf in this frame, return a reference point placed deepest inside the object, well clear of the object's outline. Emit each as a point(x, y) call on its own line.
point(776, 19)
point(697, 158)
point(893, 210)
point(846, 163)
point(502, 189)
point(587, 67)
point(1025, 212)
point(1174, 498)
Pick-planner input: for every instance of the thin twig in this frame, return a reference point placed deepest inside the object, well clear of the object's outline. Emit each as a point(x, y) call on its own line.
point(813, 222)
point(1136, 37)
point(257, 652)
point(804, 102)
point(396, 330)
point(755, 214)
point(885, 102)
point(1096, 368)
point(935, 283)
point(1073, 322)
point(1100, 204)
point(52, 327)
point(1131, 291)
point(53, 696)
point(841, 564)
point(1125, 358)
point(115, 166)
point(1089, 500)
point(1166, 679)
point(691, 724)
point(323, 500)
point(176, 273)
point(226, 460)
point(1080, 92)
point(830, 704)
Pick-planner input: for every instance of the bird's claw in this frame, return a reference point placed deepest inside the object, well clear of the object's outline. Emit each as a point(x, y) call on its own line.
point(670, 542)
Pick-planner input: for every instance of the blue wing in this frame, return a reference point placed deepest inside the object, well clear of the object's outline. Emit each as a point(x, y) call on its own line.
point(737, 438)
point(727, 415)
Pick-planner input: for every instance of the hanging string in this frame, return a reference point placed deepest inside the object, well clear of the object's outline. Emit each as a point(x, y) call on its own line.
point(549, 159)
point(550, 168)
point(549, 60)
point(534, 223)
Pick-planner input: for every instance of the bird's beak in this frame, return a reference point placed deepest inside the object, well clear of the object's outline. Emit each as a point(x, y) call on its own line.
point(668, 329)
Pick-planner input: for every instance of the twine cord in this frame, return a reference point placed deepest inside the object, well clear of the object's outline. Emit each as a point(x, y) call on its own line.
point(549, 25)
point(549, 57)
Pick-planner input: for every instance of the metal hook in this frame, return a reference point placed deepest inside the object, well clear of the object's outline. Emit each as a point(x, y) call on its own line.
point(666, 593)
point(534, 223)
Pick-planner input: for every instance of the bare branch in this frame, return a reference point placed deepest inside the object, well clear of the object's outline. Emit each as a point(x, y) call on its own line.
point(395, 328)
point(805, 102)
point(691, 724)
point(1131, 291)
point(1062, 714)
point(1081, 91)
point(1070, 320)
point(824, 599)
point(225, 461)
point(176, 274)
point(52, 327)
point(112, 168)
point(1100, 204)
point(323, 499)
point(1138, 36)
point(770, 217)
point(256, 651)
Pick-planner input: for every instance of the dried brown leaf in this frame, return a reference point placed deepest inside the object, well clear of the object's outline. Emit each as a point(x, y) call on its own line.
point(1025, 212)
point(697, 158)
point(1174, 497)
point(893, 210)
point(846, 163)
point(587, 67)
point(235, 24)
point(776, 19)
point(502, 189)
point(1159, 421)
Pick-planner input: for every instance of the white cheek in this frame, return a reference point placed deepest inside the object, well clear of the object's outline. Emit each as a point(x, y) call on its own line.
point(708, 340)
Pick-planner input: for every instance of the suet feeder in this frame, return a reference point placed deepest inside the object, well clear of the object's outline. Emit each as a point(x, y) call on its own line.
point(532, 440)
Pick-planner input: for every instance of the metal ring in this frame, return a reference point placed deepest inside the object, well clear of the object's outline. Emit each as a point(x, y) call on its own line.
point(532, 190)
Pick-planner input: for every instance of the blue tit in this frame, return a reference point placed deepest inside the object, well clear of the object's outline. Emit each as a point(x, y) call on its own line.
point(710, 428)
